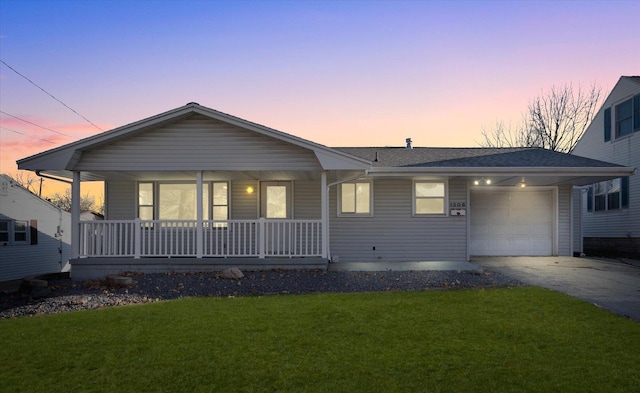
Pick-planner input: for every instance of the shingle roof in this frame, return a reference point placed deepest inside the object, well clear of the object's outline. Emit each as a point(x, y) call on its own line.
point(634, 78)
point(471, 157)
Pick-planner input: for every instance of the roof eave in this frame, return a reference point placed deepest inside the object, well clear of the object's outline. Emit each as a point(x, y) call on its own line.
point(459, 171)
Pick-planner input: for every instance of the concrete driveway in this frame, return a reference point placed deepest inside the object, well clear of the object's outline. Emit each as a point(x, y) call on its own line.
point(613, 284)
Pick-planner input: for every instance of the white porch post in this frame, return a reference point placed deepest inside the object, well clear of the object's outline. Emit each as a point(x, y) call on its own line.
point(324, 200)
point(75, 215)
point(199, 214)
point(262, 237)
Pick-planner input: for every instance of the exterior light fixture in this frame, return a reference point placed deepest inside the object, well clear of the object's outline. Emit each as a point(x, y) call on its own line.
point(249, 190)
point(483, 181)
point(522, 185)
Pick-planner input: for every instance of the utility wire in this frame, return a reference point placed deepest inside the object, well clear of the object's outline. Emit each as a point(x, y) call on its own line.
point(37, 125)
point(50, 95)
point(22, 133)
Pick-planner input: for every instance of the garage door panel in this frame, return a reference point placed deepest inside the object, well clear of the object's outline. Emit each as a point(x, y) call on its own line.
point(506, 223)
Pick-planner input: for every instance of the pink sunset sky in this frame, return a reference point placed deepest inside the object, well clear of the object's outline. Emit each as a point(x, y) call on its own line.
point(340, 73)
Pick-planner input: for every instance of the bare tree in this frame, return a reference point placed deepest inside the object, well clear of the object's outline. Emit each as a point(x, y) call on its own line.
point(27, 180)
point(555, 120)
point(63, 201)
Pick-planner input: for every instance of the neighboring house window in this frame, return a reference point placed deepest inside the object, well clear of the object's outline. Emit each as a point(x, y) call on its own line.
point(429, 197)
point(16, 232)
point(178, 201)
point(355, 199)
point(608, 195)
point(624, 119)
point(20, 231)
point(4, 231)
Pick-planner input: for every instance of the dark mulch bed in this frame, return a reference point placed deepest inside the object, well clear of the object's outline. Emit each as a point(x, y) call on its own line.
point(64, 295)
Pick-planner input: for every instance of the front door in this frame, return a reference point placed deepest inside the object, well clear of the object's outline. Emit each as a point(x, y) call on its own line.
point(275, 199)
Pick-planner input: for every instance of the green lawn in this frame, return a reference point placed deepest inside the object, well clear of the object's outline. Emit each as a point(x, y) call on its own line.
point(499, 340)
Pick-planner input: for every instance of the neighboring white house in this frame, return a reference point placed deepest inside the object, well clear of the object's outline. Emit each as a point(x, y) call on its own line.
point(89, 215)
point(35, 235)
point(198, 189)
point(611, 208)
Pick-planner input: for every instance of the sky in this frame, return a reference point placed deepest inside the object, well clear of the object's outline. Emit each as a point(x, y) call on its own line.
point(339, 73)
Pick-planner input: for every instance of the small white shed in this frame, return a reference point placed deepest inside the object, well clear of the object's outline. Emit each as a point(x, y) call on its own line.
point(35, 235)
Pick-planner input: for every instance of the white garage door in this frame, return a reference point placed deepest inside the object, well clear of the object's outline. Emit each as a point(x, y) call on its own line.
point(511, 223)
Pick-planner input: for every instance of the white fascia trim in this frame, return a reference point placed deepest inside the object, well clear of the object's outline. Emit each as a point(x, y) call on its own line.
point(512, 171)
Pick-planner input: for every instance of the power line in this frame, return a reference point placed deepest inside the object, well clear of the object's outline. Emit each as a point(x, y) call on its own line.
point(51, 95)
point(29, 136)
point(34, 124)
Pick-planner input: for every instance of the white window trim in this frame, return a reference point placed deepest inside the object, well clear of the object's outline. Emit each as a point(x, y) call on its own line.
point(414, 198)
point(339, 204)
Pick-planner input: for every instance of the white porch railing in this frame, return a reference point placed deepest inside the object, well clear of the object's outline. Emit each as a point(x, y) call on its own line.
point(179, 238)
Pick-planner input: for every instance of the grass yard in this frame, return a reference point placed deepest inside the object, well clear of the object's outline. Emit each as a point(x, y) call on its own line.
point(496, 340)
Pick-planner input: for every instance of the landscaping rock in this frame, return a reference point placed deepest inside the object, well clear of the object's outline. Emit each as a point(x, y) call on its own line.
point(116, 280)
point(37, 283)
point(232, 273)
point(40, 293)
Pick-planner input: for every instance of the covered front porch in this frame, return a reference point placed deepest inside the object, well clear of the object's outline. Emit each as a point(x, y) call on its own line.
point(111, 246)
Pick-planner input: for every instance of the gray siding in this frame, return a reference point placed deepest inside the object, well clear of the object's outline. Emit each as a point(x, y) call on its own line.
point(121, 200)
point(564, 220)
point(624, 151)
point(576, 214)
point(198, 143)
point(244, 206)
point(20, 260)
point(394, 232)
point(307, 200)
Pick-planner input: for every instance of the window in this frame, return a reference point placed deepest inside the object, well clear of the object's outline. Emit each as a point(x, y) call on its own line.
point(608, 195)
point(429, 197)
point(178, 201)
point(624, 119)
point(355, 198)
point(145, 201)
point(17, 232)
point(20, 231)
point(627, 118)
point(220, 201)
point(4, 231)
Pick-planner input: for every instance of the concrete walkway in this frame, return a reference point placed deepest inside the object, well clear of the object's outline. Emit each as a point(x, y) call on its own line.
point(400, 266)
point(613, 284)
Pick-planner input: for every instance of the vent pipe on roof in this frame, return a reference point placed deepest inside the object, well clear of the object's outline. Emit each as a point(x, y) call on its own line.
point(408, 140)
